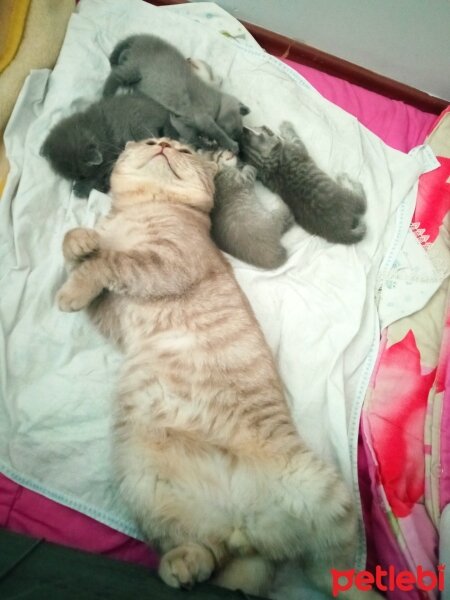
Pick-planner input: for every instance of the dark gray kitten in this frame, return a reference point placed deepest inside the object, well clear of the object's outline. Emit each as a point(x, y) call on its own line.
point(240, 224)
point(84, 146)
point(330, 209)
point(154, 67)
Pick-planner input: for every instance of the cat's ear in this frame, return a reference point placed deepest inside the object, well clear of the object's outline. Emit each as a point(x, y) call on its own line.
point(244, 110)
point(93, 156)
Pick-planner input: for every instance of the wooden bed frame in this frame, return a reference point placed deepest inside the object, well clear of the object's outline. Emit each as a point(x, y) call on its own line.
point(285, 47)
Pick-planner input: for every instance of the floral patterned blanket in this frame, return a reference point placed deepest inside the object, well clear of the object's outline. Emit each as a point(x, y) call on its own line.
point(405, 444)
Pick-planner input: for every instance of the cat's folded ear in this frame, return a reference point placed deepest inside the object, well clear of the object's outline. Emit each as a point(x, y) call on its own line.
point(93, 156)
point(244, 110)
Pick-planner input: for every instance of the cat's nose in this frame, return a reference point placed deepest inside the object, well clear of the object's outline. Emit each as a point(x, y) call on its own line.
point(164, 144)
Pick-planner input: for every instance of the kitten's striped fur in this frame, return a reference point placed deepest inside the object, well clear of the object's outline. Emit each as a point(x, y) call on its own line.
point(206, 453)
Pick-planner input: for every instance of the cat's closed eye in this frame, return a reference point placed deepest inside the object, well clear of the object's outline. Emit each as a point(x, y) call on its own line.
point(185, 151)
point(150, 143)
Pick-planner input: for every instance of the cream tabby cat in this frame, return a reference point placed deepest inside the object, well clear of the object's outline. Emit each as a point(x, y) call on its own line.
point(207, 456)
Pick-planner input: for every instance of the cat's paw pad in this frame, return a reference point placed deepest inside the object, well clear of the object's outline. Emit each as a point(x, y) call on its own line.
point(80, 243)
point(186, 565)
point(71, 298)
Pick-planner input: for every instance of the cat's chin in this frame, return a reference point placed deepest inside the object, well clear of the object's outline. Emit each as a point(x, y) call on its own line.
point(127, 191)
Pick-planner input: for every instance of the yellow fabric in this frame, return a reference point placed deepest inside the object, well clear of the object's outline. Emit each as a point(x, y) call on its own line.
point(37, 43)
point(13, 15)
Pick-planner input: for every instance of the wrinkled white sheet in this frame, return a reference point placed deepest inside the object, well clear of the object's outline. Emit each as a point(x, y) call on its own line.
point(318, 312)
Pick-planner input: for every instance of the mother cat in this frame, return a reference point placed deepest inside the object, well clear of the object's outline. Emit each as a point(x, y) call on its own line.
point(207, 456)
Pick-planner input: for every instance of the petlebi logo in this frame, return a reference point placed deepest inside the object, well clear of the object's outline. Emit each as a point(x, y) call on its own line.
point(388, 580)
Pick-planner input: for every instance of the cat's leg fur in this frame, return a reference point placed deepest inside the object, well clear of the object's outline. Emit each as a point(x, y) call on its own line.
point(147, 272)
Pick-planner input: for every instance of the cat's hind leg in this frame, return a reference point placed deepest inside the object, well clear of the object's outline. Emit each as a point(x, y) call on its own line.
point(122, 75)
point(360, 202)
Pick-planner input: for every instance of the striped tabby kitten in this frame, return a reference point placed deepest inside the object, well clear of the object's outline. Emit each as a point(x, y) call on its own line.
point(207, 456)
point(330, 209)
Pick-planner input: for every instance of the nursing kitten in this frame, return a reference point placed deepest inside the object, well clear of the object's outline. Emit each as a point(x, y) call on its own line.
point(206, 453)
point(84, 146)
point(330, 209)
point(152, 66)
point(240, 224)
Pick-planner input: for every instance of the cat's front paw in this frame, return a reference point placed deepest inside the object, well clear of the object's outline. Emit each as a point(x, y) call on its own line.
point(186, 565)
point(249, 173)
point(226, 158)
point(80, 243)
point(233, 147)
point(287, 130)
point(289, 134)
point(72, 297)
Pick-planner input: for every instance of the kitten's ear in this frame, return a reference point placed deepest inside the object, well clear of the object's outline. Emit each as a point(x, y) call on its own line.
point(93, 156)
point(244, 110)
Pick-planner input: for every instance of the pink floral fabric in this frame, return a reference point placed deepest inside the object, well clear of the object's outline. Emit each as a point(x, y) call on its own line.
point(405, 428)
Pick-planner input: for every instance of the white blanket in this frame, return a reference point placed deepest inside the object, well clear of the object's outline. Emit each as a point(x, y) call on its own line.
point(318, 311)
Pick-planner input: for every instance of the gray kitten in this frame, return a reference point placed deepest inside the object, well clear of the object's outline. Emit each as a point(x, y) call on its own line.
point(84, 146)
point(240, 224)
point(330, 209)
point(154, 67)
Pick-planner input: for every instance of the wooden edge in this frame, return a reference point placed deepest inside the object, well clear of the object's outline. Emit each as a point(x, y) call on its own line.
point(285, 47)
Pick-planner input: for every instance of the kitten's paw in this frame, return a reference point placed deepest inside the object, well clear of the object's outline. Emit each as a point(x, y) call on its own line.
point(233, 147)
point(226, 158)
point(186, 565)
point(287, 130)
point(73, 297)
point(80, 243)
point(249, 173)
point(289, 134)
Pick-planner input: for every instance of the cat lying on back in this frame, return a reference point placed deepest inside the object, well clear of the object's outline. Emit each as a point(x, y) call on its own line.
point(84, 146)
point(330, 209)
point(206, 453)
point(152, 66)
point(240, 224)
